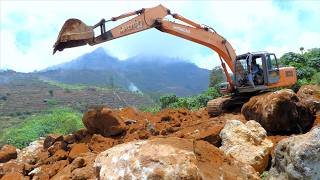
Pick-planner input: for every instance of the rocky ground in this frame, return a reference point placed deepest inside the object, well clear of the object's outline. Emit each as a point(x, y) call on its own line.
point(276, 132)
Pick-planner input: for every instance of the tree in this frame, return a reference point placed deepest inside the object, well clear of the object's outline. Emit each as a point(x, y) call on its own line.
point(307, 65)
point(301, 49)
point(217, 76)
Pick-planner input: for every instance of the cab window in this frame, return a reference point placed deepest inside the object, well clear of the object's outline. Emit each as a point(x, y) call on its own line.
point(272, 62)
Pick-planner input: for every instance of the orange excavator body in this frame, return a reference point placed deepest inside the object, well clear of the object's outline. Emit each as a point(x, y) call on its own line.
point(75, 33)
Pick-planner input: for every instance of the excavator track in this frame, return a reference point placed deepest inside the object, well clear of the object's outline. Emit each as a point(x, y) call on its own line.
point(226, 104)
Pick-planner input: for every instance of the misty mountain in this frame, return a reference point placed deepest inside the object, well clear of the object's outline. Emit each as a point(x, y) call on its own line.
point(144, 73)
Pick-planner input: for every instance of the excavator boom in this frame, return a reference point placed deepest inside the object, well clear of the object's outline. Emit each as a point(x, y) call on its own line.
point(75, 33)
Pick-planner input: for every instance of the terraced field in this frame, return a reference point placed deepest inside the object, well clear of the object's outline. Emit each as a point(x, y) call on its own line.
point(24, 95)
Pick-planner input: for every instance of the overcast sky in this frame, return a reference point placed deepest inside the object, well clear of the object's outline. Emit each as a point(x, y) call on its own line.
point(29, 29)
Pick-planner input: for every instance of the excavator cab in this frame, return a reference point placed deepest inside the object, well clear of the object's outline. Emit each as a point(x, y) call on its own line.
point(251, 71)
point(259, 71)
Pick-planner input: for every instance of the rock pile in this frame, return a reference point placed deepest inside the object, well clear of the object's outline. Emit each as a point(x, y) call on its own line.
point(73, 155)
point(176, 143)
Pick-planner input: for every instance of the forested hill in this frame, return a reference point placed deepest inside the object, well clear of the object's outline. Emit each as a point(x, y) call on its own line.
point(144, 73)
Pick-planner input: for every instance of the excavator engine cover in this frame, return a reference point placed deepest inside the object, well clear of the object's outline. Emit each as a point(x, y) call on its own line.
point(73, 33)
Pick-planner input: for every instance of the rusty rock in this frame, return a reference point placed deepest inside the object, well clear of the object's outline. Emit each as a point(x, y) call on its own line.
point(103, 121)
point(7, 152)
point(14, 176)
point(56, 146)
point(49, 169)
point(80, 168)
point(99, 143)
point(51, 139)
point(279, 112)
point(310, 96)
point(78, 149)
point(11, 166)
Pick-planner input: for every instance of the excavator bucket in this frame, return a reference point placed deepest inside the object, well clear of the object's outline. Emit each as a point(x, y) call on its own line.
point(73, 33)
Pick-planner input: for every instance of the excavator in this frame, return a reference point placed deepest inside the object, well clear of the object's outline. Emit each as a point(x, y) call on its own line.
point(242, 82)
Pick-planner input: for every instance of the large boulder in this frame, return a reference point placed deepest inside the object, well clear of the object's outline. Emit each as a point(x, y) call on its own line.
point(104, 121)
point(279, 112)
point(247, 143)
point(310, 96)
point(7, 152)
point(169, 158)
point(297, 157)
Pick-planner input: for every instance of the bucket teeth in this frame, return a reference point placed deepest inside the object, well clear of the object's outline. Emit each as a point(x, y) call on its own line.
point(73, 33)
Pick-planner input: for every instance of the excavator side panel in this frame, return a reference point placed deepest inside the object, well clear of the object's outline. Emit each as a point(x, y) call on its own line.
point(288, 77)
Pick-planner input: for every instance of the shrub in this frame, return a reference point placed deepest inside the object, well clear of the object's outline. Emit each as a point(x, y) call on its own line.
point(153, 108)
point(61, 121)
point(50, 92)
point(192, 103)
point(316, 78)
point(166, 100)
point(52, 102)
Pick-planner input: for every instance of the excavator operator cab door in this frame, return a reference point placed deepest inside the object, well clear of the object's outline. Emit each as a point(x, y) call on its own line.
point(272, 72)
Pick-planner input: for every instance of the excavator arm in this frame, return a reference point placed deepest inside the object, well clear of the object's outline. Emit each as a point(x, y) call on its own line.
point(75, 33)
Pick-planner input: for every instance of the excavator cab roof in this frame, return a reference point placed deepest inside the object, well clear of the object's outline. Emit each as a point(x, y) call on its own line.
point(243, 56)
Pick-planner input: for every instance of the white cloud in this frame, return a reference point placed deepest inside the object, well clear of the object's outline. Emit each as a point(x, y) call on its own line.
point(248, 25)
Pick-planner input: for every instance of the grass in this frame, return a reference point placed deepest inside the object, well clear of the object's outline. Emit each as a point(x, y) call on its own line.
point(59, 120)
